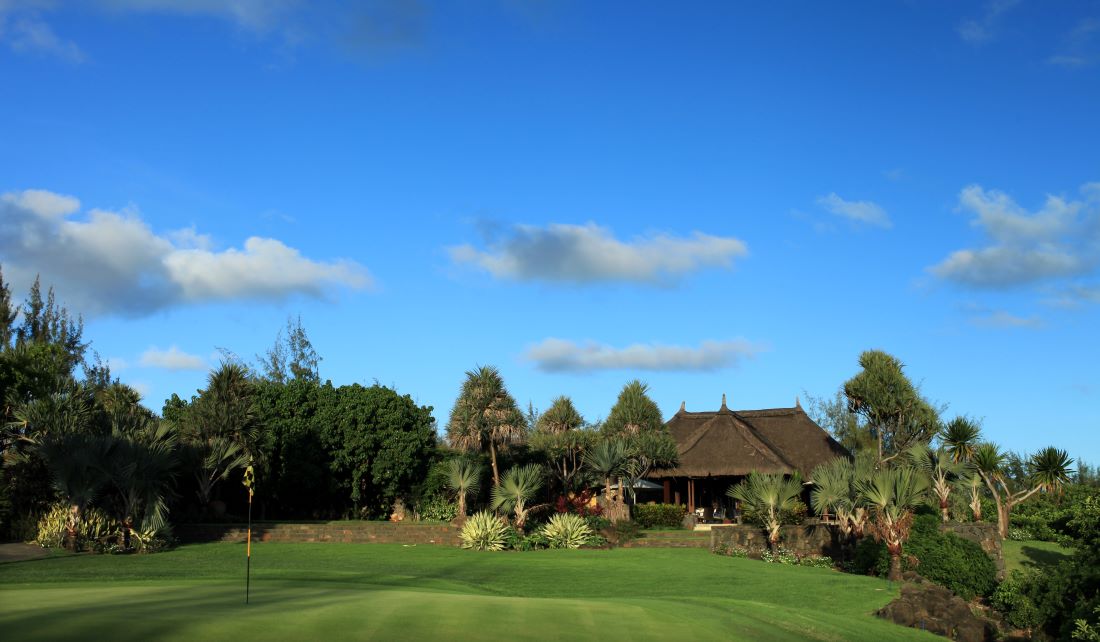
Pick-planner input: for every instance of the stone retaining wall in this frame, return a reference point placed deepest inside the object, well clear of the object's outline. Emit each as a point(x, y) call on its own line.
point(345, 532)
point(818, 539)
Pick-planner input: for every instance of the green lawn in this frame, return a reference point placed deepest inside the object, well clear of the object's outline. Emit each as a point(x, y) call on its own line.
point(1033, 554)
point(379, 591)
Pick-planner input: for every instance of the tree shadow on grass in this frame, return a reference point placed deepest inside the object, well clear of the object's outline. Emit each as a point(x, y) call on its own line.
point(1041, 558)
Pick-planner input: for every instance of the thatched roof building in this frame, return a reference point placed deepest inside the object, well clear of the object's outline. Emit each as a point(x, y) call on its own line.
point(729, 443)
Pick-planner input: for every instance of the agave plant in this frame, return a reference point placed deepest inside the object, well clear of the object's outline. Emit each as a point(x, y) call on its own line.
point(769, 495)
point(484, 531)
point(566, 530)
point(516, 489)
point(892, 494)
point(463, 479)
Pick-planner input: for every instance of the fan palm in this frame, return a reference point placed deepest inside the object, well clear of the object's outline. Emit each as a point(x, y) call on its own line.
point(769, 496)
point(485, 416)
point(516, 489)
point(142, 471)
point(77, 465)
point(835, 491)
point(892, 494)
point(608, 459)
point(464, 479)
point(942, 471)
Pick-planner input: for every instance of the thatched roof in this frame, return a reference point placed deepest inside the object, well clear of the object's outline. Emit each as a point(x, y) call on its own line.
point(727, 442)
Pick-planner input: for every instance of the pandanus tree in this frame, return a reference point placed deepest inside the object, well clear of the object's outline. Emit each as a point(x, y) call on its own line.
point(960, 437)
point(1048, 471)
point(560, 435)
point(769, 496)
point(485, 416)
point(892, 494)
point(942, 472)
point(835, 491)
point(517, 488)
point(220, 429)
point(463, 479)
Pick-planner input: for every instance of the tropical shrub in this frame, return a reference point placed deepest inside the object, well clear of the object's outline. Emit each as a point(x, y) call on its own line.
point(1011, 599)
point(780, 555)
point(580, 503)
point(566, 530)
point(94, 530)
point(435, 508)
point(943, 558)
point(516, 540)
point(732, 550)
point(658, 515)
point(484, 531)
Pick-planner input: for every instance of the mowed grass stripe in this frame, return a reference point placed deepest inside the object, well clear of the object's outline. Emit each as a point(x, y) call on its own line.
point(338, 592)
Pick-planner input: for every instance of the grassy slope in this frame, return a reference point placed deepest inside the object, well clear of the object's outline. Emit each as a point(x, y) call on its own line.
point(1033, 554)
point(336, 591)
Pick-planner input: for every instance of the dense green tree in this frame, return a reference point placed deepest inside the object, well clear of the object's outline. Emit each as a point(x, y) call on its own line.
point(560, 436)
point(892, 407)
point(633, 412)
point(381, 443)
point(636, 419)
point(485, 416)
point(845, 426)
point(8, 313)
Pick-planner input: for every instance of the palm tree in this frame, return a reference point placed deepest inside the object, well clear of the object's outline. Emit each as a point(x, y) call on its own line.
point(892, 494)
point(835, 491)
point(560, 435)
point(970, 482)
point(485, 416)
point(769, 496)
point(77, 465)
point(517, 488)
point(960, 437)
point(942, 471)
point(608, 459)
point(1048, 471)
point(143, 471)
point(464, 479)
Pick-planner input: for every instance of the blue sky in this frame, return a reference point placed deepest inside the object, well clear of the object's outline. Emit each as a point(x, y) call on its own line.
point(719, 198)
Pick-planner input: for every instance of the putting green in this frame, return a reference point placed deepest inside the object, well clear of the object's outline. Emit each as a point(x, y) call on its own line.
point(346, 592)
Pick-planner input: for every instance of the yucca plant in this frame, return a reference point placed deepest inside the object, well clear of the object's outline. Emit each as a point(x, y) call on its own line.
point(518, 486)
point(463, 479)
point(769, 496)
point(484, 531)
point(960, 438)
point(566, 530)
point(892, 494)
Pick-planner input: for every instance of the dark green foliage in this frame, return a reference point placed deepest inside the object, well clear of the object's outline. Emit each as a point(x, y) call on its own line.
point(1012, 598)
point(292, 357)
point(892, 407)
point(633, 412)
point(658, 515)
point(381, 443)
point(621, 532)
point(944, 558)
point(1046, 516)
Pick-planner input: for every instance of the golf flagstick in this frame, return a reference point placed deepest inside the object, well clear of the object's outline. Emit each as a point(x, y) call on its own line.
point(249, 481)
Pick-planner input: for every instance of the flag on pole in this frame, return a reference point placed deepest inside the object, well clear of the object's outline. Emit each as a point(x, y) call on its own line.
point(249, 483)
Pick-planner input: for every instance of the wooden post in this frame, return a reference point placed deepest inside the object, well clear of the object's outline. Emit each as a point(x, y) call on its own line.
point(668, 490)
point(691, 496)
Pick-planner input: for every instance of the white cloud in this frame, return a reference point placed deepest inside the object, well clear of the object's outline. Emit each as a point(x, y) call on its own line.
point(1003, 319)
point(562, 355)
point(589, 253)
point(171, 359)
point(981, 30)
point(858, 211)
point(113, 263)
point(28, 34)
point(1061, 239)
point(253, 14)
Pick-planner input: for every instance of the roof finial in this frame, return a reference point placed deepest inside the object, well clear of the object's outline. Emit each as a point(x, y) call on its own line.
point(796, 403)
point(723, 400)
point(683, 406)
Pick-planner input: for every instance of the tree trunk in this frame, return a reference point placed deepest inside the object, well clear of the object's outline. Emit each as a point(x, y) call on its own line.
point(493, 459)
point(895, 567)
point(943, 510)
point(1002, 520)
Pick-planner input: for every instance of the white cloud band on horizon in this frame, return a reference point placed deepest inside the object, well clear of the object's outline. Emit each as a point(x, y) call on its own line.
point(113, 263)
point(562, 355)
point(859, 211)
point(590, 253)
point(171, 359)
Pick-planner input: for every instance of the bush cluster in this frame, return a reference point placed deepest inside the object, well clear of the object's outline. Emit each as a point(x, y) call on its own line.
point(658, 515)
point(792, 517)
point(943, 558)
